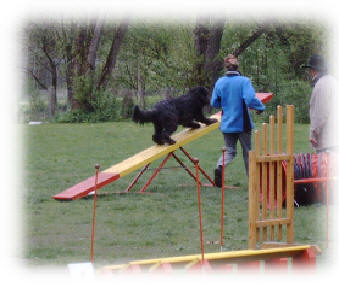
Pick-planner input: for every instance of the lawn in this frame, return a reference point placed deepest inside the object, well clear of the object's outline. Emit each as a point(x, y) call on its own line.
point(133, 226)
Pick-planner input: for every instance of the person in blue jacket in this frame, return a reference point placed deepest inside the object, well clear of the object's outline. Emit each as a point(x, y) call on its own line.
point(234, 94)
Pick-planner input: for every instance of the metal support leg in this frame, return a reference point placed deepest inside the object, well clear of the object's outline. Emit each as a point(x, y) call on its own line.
point(201, 170)
point(156, 172)
point(135, 180)
point(184, 166)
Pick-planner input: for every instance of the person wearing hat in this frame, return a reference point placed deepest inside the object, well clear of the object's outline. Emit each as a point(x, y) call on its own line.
point(234, 94)
point(321, 113)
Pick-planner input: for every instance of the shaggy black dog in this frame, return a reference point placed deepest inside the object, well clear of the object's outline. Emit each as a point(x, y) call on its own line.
point(166, 115)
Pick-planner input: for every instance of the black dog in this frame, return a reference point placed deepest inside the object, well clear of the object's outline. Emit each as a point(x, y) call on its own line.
point(166, 115)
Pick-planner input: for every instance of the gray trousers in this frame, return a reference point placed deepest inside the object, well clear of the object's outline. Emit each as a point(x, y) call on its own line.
point(231, 141)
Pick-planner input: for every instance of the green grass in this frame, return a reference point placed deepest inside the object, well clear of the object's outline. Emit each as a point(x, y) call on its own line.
point(133, 226)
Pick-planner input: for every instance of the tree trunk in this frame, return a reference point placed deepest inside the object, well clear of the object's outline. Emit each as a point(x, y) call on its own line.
point(80, 52)
point(213, 65)
point(127, 104)
point(94, 45)
point(201, 37)
point(111, 59)
point(53, 70)
point(87, 45)
point(141, 91)
point(69, 75)
point(207, 40)
point(92, 55)
point(52, 93)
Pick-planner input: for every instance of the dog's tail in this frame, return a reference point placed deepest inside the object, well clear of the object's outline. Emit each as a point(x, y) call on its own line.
point(141, 117)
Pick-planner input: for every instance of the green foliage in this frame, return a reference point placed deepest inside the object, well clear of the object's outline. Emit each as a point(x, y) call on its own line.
point(157, 56)
point(83, 89)
point(36, 109)
point(105, 109)
point(295, 93)
point(273, 62)
point(164, 53)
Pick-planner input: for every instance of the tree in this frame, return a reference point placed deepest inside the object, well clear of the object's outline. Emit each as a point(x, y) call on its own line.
point(112, 56)
point(208, 34)
point(88, 81)
point(43, 49)
point(144, 62)
point(207, 39)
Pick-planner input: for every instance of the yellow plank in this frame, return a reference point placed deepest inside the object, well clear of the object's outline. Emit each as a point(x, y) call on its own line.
point(155, 152)
point(250, 254)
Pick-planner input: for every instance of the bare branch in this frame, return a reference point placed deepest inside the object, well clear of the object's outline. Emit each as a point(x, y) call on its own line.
point(37, 80)
point(243, 46)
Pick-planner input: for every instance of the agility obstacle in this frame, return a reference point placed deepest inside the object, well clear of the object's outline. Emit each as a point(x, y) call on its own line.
point(281, 178)
point(265, 181)
point(145, 158)
point(270, 256)
point(280, 258)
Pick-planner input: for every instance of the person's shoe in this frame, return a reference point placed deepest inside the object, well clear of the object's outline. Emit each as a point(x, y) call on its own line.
point(218, 176)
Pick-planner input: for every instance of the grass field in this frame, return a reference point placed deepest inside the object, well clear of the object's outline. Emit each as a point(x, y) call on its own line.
point(133, 226)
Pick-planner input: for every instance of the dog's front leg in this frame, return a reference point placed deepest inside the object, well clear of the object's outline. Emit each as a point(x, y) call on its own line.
point(166, 137)
point(210, 121)
point(206, 121)
point(191, 125)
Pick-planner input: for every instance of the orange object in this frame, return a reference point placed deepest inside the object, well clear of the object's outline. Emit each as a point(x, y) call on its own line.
point(97, 166)
point(196, 162)
point(222, 196)
point(264, 97)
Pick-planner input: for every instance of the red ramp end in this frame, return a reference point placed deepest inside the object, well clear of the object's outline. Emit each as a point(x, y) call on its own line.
point(83, 188)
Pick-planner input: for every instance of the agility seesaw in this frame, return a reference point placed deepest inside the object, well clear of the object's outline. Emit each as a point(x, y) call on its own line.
point(144, 158)
point(265, 229)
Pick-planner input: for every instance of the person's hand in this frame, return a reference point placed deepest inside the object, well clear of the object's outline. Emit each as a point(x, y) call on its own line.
point(314, 142)
point(258, 112)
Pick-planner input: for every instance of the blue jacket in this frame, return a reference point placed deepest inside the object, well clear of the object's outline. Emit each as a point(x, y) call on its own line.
point(230, 93)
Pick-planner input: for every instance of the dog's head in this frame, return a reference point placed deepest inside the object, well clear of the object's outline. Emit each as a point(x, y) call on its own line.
point(201, 94)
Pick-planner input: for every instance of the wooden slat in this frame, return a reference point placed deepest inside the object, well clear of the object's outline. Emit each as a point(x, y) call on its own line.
point(274, 157)
point(257, 182)
point(251, 200)
point(264, 180)
point(272, 221)
point(272, 176)
point(290, 174)
point(279, 169)
point(266, 160)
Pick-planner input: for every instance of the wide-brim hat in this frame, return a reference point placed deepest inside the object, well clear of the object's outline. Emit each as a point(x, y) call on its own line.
point(316, 62)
